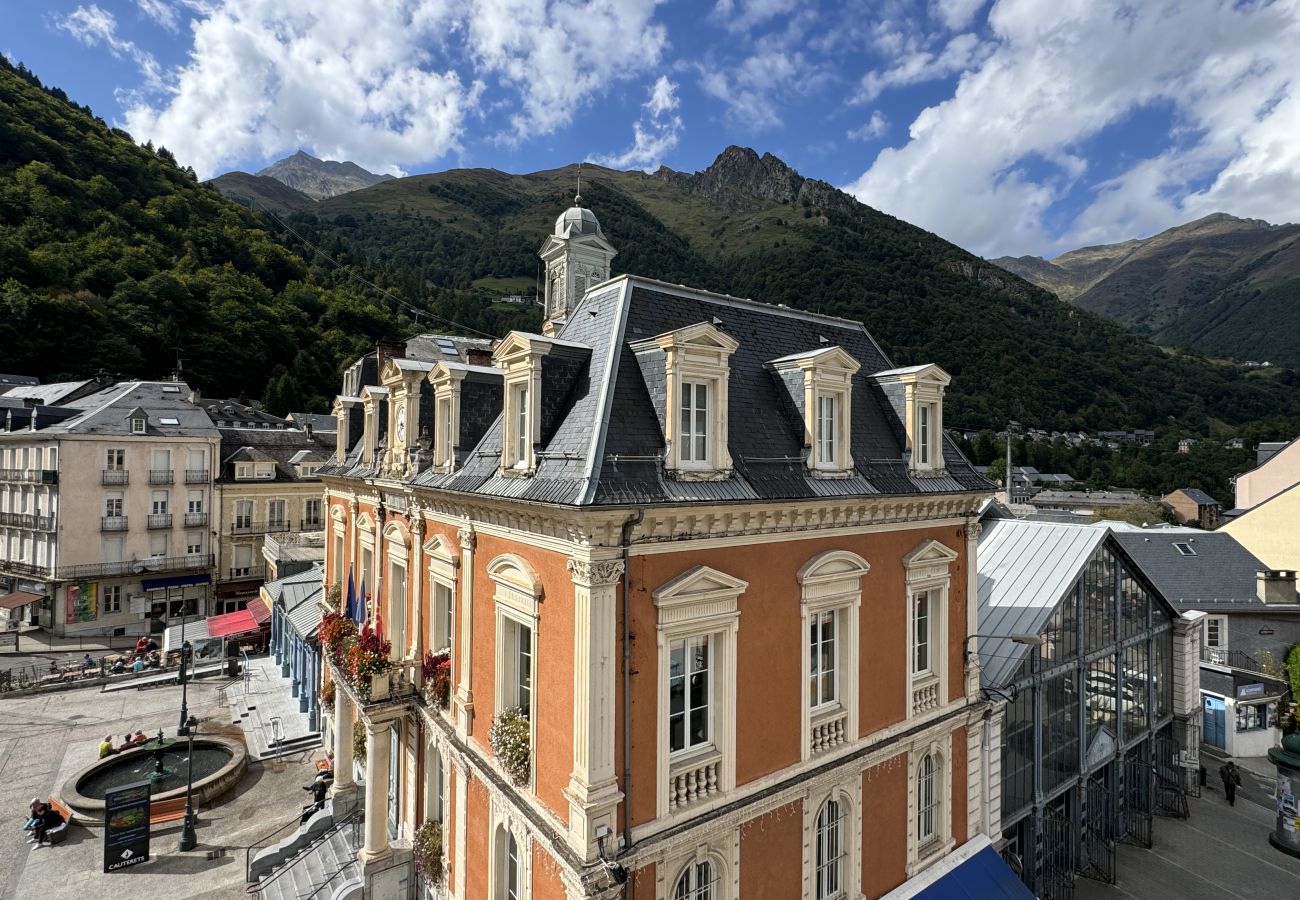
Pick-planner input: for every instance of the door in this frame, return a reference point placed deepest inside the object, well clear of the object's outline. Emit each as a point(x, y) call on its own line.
point(1213, 721)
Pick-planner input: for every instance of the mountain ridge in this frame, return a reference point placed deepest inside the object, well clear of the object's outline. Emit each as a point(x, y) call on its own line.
point(320, 179)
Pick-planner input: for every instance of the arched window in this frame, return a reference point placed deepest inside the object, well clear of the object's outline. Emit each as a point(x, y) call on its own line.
point(829, 861)
point(512, 878)
point(695, 883)
point(927, 799)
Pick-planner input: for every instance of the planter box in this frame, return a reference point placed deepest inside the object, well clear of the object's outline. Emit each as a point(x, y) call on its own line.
point(379, 686)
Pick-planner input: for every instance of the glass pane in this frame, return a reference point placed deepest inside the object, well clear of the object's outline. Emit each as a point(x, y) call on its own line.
point(699, 726)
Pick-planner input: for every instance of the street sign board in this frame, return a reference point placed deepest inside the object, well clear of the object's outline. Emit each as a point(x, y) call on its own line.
point(1248, 691)
point(126, 826)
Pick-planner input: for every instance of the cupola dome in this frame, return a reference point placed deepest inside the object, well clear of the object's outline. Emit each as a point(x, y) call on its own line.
point(577, 220)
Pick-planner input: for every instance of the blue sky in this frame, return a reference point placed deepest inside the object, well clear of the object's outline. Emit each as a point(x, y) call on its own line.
point(1006, 126)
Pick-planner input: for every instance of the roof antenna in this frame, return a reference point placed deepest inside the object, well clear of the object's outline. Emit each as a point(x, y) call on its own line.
point(577, 198)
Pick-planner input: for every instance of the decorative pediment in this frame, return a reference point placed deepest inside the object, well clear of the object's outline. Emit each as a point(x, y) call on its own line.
point(364, 523)
point(929, 561)
point(833, 565)
point(700, 336)
point(512, 570)
point(829, 359)
point(700, 594)
point(443, 556)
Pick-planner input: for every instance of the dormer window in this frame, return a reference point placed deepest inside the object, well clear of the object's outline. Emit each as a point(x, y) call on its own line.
point(138, 424)
point(523, 357)
point(522, 433)
point(820, 385)
point(695, 366)
point(454, 384)
point(243, 471)
point(916, 393)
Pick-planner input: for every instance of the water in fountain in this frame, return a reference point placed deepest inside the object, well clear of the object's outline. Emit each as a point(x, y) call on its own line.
point(167, 773)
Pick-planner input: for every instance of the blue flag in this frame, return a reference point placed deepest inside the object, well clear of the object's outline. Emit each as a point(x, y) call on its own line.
point(352, 596)
point(361, 603)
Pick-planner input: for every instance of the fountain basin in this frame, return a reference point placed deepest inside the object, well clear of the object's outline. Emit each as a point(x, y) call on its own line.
point(219, 763)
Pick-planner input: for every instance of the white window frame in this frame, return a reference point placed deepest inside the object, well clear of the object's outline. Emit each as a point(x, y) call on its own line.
point(277, 511)
point(517, 597)
point(193, 543)
point(502, 828)
point(114, 505)
point(923, 388)
point(520, 356)
point(244, 520)
point(264, 471)
point(687, 645)
point(831, 582)
point(396, 604)
point(113, 596)
point(442, 562)
point(927, 571)
point(158, 545)
point(139, 424)
point(694, 445)
point(312, 516)
point(243, 471)
point(160, 503)
point(115, 459)
point(701, 602)
point(827, 378)
point(922, 854)
point(720, 853)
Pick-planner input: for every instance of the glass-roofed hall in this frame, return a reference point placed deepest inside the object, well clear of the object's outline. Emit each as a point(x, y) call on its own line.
point(1082, 649)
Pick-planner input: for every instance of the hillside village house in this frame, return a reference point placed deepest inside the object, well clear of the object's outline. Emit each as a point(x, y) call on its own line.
point(103, 506)
point(713, 559)
point(1195, 506)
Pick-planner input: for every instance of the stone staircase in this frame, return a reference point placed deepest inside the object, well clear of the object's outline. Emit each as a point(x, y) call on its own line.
point(324, 870)
point(268, 715)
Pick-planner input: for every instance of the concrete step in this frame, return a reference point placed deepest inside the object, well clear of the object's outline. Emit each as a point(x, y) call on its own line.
point(266, 750)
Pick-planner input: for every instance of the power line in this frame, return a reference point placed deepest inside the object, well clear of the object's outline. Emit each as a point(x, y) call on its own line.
point(415, 310)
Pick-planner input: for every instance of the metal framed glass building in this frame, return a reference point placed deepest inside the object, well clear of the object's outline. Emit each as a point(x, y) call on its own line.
point(1089, 745)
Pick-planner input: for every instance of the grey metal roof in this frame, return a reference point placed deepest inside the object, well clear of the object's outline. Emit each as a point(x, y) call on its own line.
point(1220, 576)
point(45, 394)
point(106, 411)
point(318, 421)
point(298, 595)
point(1023, 571)
point(280, 446)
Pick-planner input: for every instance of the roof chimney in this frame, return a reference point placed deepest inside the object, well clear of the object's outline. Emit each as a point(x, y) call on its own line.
point(306, 426)
point(1276, 586)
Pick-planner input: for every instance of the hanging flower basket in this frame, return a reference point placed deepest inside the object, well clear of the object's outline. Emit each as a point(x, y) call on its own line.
point(368, 665)
point(436, 672)
point(427, 849)
point(510, 737)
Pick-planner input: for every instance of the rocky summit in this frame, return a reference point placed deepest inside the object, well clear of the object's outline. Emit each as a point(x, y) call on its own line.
point(320, 178)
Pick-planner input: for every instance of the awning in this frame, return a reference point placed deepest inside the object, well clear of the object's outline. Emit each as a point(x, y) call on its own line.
point(259, 610)
point(974, 871)
point(19, 599)
point(193, 630)
point(153, 584)
point(231, 623)
point(305, 617)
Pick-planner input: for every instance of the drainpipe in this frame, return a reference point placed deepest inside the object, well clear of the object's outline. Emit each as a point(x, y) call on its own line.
point(625, 540)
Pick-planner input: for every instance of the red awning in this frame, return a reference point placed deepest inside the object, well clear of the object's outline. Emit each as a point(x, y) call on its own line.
point(19, 599)
point(231, 623)
point(260, 613)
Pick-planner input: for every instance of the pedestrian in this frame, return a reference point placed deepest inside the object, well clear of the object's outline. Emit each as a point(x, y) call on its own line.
point(1231, 776)
point(106, 747)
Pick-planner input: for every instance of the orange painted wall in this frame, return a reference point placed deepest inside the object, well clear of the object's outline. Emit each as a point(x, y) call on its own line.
point(768, 656)
point(959, 798)
point(641, 883)
point(477, 854)
point(771, 850)
point(546, 879)
point(884, 826)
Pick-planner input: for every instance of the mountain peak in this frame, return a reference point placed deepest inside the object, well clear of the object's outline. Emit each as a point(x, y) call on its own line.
point(320, 178)
point(740, 180)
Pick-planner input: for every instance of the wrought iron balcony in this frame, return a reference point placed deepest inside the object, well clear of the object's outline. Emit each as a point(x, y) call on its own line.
point(160, 520)
point(27, 520)
point(23, 568)
point(116, 476)
point(250, 526)
point(151, 564)
point(197, 476)
point(195, 519)
point(1234, 659)
point(113, 523)
point(242, 572)
point(30, 476)
point(161, 476)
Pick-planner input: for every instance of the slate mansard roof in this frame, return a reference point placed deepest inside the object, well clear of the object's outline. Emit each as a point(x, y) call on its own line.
point(605, 445)
point(1218, 575)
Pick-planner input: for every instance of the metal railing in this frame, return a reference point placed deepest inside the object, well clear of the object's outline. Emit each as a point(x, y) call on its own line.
point(249, 526)
point(161, 476)
point(195, 519)
point(30, 476)
point(241, 572)
point(160, 520)
point(24, 568)
point(27, 520)
point(113, 523)
point(1234, 659)
point(352, 822)
point(262, 843)
point(137, 566)
point(115, 476)
point(196, 476)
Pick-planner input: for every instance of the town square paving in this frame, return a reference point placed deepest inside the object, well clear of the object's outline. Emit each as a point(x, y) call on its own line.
point(46, 738)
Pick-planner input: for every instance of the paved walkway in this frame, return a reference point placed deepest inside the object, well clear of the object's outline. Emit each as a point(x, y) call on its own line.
point(47, 738)
point(1220, 852)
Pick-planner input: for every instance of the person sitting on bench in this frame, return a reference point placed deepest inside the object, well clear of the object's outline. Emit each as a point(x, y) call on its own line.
point(33, 813)
point(106, 747)
point(50, 818)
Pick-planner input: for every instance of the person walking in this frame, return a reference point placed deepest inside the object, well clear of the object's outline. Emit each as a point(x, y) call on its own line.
point(1231, 776)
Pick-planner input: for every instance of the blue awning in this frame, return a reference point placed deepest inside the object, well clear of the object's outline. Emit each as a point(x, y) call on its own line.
point(153, 584)
point(973, 871)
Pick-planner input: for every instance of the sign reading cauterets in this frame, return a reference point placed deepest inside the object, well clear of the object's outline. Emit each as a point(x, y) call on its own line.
point(126, 826)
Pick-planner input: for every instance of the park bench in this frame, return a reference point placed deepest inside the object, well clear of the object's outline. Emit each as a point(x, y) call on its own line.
point(57, 834)
point(161, 811)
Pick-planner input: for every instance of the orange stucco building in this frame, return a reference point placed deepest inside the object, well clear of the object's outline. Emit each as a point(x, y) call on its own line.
point(711, 561)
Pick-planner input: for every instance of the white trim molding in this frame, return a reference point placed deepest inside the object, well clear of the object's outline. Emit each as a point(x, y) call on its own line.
point(927, 573)
point(831, 582)
point(919, 856)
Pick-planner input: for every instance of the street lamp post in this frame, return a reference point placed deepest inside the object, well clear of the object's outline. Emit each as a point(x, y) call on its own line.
point(185, 683)
point(188, 838)
point(1031, 640)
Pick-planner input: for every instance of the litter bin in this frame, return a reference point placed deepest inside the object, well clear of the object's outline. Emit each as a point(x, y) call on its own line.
point(232, 671)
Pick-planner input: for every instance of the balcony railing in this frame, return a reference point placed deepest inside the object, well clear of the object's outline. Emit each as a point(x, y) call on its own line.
point(828, 730)
point(925, 696)
point(161, 476)
point(137, 566)
point(30, 476)
point(195, 519)
point(250, 526)
point(27, 520)
point(692, 780)
point(196, 476)
point(113, 523)
point(116, 476)
point(1233, 659)
point(23, 568)
point(241, 572)
point(160, 520)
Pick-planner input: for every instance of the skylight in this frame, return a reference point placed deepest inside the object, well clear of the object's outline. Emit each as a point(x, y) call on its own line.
point(169, 421)
point(171, 389)
point(1184, 549)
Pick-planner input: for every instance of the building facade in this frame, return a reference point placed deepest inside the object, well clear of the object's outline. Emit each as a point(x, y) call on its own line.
point(104, 505)
point(1194, 506)
point(1278, 470)
point(704, 572)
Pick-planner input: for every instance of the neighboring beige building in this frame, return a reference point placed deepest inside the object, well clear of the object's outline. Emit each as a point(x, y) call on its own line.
point(1278, 471)
point(1271, 529)
point(104, 505)
point(266, 484)
point(1193, 505)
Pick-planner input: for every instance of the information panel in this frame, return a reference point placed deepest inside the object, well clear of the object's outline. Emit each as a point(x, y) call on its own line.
point(126, 826)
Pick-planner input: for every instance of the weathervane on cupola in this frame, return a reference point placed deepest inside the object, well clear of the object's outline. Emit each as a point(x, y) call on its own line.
point(577, 256)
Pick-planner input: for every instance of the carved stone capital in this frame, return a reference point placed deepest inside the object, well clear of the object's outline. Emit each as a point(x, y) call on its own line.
point(415, 515)
point(594, 572)
point(973, 531)
point(468, 538)
point(353, 506)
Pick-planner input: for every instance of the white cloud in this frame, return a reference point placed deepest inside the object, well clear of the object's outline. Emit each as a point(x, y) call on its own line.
point(987, 167)
point(743, 15)
point(94, 27)
point(161, 12)
point(956, 14)
point(385, 82)
point(655, 133)
point(916, 66)
point(874, 127)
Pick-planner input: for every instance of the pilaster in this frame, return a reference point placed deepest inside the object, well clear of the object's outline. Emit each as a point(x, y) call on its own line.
point(415, 576)
point(592, 791)
point(972, 673)
point(465, 652)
